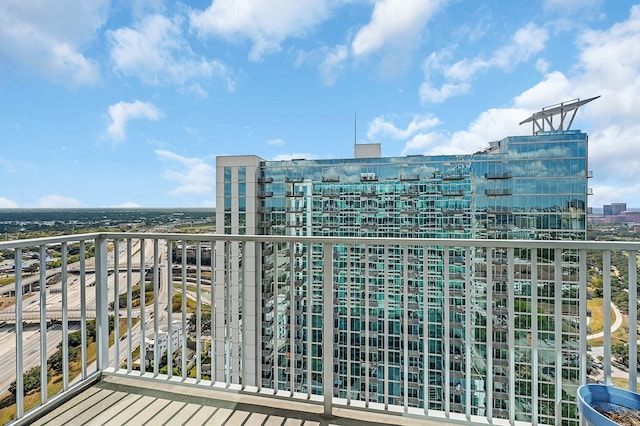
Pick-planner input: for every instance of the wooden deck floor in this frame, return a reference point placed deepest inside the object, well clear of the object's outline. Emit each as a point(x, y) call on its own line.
point(124, 401)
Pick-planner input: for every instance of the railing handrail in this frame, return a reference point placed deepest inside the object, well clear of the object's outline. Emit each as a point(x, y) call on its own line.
point(457, 242)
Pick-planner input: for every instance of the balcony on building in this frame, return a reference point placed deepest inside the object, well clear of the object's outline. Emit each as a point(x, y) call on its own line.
point(497, 192)
point(498, 175)
point(294, 179)
point(497, 349)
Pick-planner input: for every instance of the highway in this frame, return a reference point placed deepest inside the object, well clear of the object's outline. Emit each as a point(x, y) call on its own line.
point(31, 308)
point(31, 348)
point(31, 305)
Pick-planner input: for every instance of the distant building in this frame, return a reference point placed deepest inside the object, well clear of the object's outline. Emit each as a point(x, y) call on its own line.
point(521, 187)
point(162, 343)
point(614, 209)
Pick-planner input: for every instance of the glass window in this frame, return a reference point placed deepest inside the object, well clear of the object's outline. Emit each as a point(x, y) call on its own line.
point(227, 174)
point(242, 174)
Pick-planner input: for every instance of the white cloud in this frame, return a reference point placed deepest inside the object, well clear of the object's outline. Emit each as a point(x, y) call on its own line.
point(554, 88)
point(395, 31)
point(394, 23)
point(542, 66)
point(428, 92)
point(122, 112)
point(527, 41)
point(266, 23)
point(332, 64)
point(607, 194)
point(156, 52)
point(381, 127)
point(431, 94)
point(609, 65)
point(47, 37)
point(140, 8)
point(420, 135)
point(276, 142)
point(491, 125)
point(6, 203)
point(129, 205)
point(59, 201)
point(423, 142)
point(191, 175)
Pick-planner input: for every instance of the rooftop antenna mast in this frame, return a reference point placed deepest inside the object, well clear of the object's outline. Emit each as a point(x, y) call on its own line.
point(544, 118)
point(355, 129)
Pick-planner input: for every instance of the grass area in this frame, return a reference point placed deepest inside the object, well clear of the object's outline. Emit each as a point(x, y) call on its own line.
point(597, 323)
point(206, 294)
point(622, 383)
point(6, 280)
point(205, 228)
point(176, 305)
point(619, 336)
point(597, 315)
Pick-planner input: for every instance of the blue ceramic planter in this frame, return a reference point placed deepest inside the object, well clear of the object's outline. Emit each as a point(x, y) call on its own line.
point(602, 396)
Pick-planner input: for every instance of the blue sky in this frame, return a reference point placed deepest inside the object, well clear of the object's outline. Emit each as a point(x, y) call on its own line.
point(127, 103)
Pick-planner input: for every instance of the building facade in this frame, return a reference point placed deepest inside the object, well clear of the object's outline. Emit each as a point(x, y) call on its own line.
point(614, 209)
point(521, 187)
point(162, 343)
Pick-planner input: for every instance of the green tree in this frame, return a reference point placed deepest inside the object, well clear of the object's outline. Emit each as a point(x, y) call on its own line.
point(621, 352)
point(596, 284)
point(205, 321)
point(31, 381)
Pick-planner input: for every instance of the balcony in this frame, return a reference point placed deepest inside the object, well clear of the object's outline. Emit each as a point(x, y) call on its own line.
point(452, 192)
point(498, 175)
point(497, 192)
point(96, 375)
point(293, 179)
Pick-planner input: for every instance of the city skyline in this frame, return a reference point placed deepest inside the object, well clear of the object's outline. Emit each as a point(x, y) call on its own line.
point(115, 105)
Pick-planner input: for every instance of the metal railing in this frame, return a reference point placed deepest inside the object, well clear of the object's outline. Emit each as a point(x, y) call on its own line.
point(431, 328)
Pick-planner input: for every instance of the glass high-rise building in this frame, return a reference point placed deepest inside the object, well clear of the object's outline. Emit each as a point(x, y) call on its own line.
point(521, 187)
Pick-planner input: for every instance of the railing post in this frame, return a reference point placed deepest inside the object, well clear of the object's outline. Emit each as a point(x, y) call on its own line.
point(606, 312)
point(102, 318)
point(19, 341)
point(633, 320)
point(327, 327)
